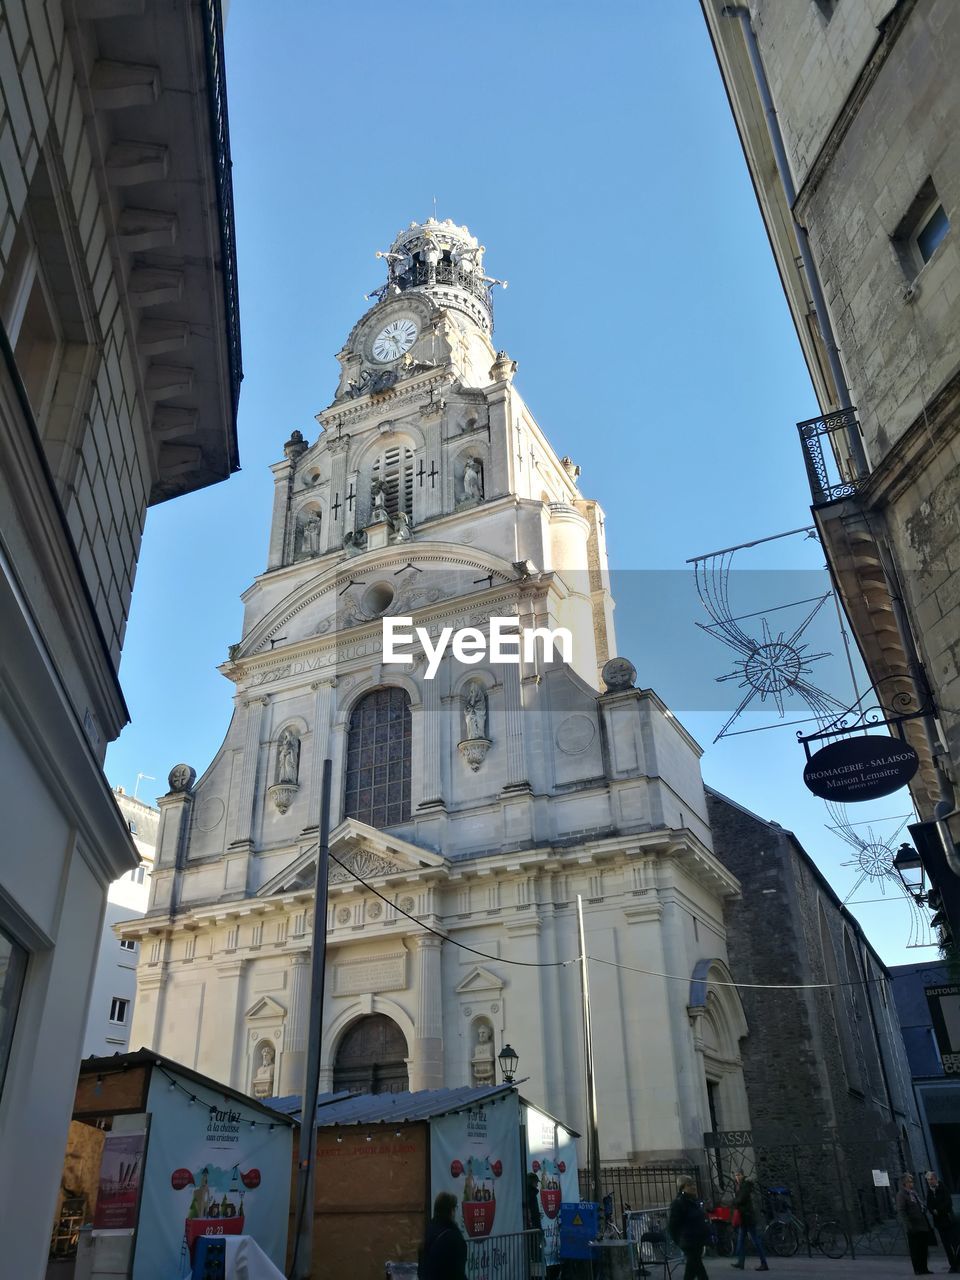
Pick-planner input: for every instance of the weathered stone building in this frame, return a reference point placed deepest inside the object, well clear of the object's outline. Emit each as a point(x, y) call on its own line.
point(849, 115)
point(937, 1091)
point(479, 798)
point(825, 1069)
point(119, 376)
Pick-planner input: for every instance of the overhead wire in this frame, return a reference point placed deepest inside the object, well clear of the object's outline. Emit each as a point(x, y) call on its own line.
point(615, 964)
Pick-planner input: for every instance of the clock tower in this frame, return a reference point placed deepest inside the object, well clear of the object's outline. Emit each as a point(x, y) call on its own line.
point(476, 796)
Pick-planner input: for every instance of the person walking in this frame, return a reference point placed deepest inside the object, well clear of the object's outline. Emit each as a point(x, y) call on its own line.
point(689, 1228)
point(913, 1219)
point(745, 1219)
point(444, 1252)
point(940, 1208)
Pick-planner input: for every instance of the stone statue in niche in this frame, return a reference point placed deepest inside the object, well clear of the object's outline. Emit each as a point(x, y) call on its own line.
point(481, 1064)
point(473, 480)
point(263, 1076)
point(475, 710)
point(378, 493)
point(310, 535)
point(288, 758)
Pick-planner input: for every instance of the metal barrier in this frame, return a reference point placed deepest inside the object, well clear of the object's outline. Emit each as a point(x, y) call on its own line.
point(518, 1256)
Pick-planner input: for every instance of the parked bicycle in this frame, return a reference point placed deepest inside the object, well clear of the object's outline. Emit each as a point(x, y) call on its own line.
point(786, 1231)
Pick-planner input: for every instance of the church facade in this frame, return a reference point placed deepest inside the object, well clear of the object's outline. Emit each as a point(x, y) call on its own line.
point(477, 797)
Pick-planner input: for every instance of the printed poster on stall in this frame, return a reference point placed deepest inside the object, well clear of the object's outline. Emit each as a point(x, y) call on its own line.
point(118, 1194)
point(475, 1155)
point(552, 1158)
point(215, 1167)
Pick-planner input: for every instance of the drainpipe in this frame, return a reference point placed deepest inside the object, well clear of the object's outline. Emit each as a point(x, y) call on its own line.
point(854, 441)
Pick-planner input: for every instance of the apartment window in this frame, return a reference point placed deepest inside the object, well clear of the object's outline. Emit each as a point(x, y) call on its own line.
point(933, 230)
point(132, 826)
point(13, 966)
point(922, 229)
point(137, 874)
point(118, 1010)
point(127, 944)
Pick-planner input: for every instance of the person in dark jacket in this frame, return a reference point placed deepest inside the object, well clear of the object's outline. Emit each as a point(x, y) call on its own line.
point(913, 1219)
point(746, 1222)
point(940, 1209)
point(444, 1252)
point(689, 1228)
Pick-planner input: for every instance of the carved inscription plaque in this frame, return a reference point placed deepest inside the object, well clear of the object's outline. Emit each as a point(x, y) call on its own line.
point(375, 973)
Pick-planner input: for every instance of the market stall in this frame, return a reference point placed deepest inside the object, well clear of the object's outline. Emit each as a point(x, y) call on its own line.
point(382, 1158)
point(178, 1158)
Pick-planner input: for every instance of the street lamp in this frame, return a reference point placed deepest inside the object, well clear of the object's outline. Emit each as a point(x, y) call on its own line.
point(508, 1059)
point(909, 868)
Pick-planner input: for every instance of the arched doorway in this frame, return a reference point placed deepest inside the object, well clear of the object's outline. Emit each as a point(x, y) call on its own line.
point(371, 1057)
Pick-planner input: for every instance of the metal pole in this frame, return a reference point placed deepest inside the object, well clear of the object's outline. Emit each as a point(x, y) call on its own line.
point(593, 1136)
point(303, 1245)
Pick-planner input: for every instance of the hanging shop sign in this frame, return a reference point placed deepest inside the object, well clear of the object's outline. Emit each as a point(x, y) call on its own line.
point(944, 1004)
point(861, 768)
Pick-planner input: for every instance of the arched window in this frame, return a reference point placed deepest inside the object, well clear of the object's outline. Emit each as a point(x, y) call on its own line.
point(377, 788)
point(848, 1052)
point(394, 470)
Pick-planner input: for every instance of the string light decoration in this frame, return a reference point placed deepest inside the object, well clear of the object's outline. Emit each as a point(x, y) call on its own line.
point(175, 1086)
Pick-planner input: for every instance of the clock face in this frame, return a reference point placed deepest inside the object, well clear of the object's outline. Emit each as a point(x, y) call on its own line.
point(394, 339)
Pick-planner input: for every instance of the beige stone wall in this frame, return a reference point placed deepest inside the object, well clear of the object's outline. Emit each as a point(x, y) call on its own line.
point(897, 319)
point(812, 63)
point(96, 444)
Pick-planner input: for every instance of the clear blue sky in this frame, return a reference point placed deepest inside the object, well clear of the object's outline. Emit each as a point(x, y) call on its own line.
point(591, 149)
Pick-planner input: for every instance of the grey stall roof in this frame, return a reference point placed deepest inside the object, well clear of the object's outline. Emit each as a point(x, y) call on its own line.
point(392, 1108)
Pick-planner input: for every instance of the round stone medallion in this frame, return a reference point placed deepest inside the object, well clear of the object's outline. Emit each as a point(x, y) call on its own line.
point(575, 735)
point(210, 814)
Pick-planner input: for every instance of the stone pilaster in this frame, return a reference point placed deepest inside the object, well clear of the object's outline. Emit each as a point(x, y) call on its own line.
point(337, 524)
point(243, 815)
point(219, 1057)
point(282, 475)
point(426, 1067)
point(513, 727)
point(322, 710)
point(500, 478)
point(295, 1031)
point(430, 774)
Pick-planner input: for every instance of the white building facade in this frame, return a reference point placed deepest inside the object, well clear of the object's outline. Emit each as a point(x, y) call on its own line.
point(119, 375)
point(115, 981)
point(480, 802)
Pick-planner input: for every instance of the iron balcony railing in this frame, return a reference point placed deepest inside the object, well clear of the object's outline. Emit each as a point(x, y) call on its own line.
point(518, 1256)
point(826, 483)
point(219, 125)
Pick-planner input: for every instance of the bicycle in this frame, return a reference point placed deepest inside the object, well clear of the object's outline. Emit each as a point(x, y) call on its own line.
point(783, 1235)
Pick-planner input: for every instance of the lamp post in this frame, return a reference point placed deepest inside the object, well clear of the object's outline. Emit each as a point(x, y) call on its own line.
point(508, 1059)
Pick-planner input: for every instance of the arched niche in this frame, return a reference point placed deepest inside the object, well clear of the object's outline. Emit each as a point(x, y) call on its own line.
point(371, 1057)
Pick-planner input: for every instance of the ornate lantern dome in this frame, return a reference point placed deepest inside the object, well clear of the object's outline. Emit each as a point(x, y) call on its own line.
point(446, 260)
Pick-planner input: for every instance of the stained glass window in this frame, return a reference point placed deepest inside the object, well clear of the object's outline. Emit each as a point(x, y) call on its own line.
point(378, 759)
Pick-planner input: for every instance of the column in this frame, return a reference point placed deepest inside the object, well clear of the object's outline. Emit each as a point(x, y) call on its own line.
point(513, 728)
point(243, 815)
point(430, 778)
point(426, 1068)
point(295, 1029)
